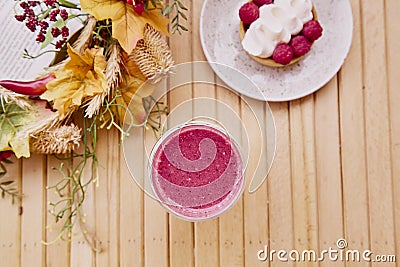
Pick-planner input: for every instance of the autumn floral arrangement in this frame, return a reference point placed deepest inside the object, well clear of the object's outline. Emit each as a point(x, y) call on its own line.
point(92, 83)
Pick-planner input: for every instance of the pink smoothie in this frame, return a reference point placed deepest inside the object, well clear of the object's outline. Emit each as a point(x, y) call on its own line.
point(197, 171)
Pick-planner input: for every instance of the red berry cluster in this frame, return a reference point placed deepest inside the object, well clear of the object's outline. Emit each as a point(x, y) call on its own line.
point(298, 46)
point(38, 16)
point(138, 5)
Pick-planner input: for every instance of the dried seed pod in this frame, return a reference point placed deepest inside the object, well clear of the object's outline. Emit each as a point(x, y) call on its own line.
point(153, 55)
point(58, 140)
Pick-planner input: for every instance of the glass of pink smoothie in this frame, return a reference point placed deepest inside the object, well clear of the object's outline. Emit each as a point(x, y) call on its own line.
point(196, 171)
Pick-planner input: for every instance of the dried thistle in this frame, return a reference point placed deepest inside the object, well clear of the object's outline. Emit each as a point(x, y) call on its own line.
point(9, 96)
point(58, 140)
point(152, 55)
point(86, 35)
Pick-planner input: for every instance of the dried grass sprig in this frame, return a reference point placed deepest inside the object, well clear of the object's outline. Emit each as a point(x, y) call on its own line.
point(93, 106)
point(9, 96)
point(86, 35)
point(153, 55)
point(113, 69)
point(57, 140)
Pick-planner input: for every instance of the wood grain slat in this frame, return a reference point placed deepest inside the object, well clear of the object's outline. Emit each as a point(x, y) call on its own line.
point(328, 168)
point(58, 252)
point(353, 152)
point(33, 188)
point(131, 207)
point(10, 230)
point(303, 173)
point(280, 189)
point(255, 205)
point(393, 65)
point(82, 245)
point(156, 235)
point(107, 199)
point(231, 223)
point(113, 177)
point(377, 130)
point(156, 238)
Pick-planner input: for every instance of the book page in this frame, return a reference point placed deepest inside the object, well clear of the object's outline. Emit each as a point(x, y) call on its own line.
point(14, 38)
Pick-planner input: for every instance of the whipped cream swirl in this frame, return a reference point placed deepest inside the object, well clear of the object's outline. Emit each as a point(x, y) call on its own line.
point(276, 24)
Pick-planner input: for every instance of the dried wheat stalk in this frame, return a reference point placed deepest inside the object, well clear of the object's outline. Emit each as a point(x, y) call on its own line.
point(85, 37)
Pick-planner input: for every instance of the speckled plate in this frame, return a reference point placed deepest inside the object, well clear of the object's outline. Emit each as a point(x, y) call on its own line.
point(219, 31)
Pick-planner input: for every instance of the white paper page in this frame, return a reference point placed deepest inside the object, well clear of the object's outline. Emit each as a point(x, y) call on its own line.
point(14, 38)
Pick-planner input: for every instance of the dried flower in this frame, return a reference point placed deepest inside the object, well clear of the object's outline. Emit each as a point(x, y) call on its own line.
point(152, 55)
point(58, 140)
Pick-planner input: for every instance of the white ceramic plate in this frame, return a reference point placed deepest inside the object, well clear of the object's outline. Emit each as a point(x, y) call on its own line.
point(219, 32)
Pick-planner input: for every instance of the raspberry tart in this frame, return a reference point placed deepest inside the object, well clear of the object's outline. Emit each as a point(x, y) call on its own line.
point(278, 33)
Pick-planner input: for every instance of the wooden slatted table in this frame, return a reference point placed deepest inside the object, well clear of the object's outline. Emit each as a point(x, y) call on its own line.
point(336, 174)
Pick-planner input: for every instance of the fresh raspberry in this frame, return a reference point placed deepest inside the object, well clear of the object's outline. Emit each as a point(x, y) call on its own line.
point(138, 8)
point(129, 2)
point(249, 12)
point(300, 45)
point(262, 2)
point(283, 54)
point(312, 30)
point(64, 14)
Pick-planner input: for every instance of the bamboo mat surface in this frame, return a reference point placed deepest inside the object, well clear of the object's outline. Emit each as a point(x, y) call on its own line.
point(336, 175)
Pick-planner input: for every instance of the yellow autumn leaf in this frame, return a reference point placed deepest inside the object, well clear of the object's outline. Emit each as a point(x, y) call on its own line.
point(82, 77)
point(127, 26)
